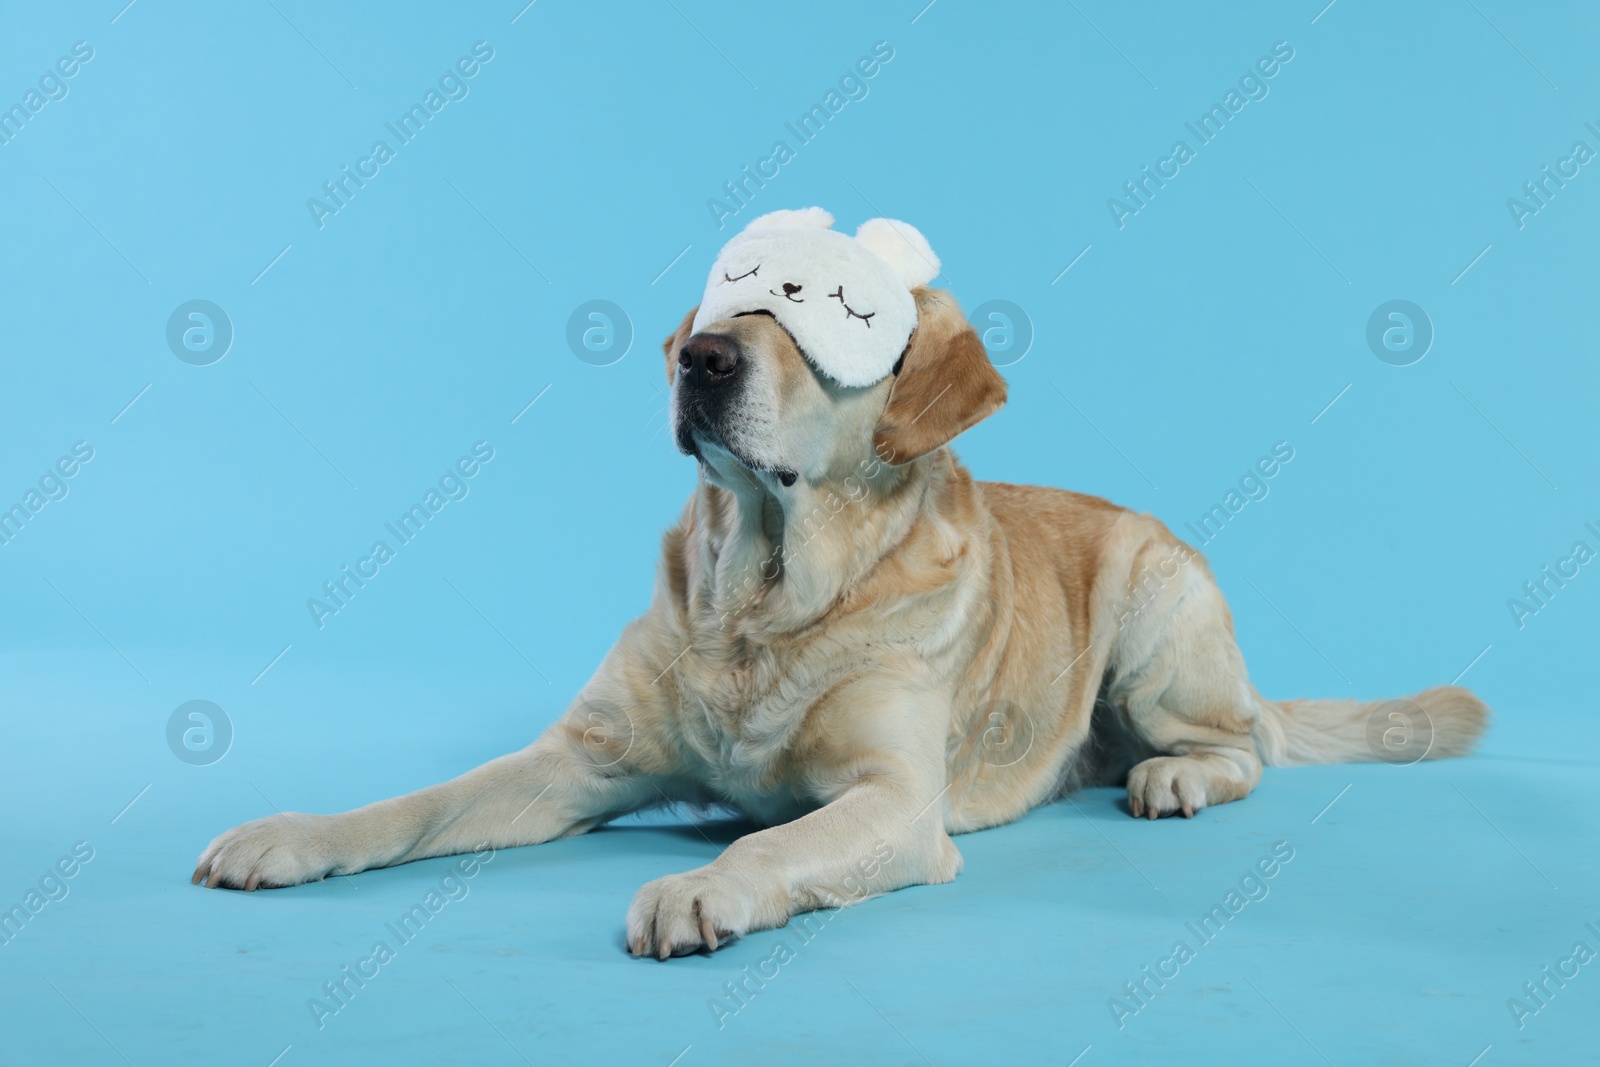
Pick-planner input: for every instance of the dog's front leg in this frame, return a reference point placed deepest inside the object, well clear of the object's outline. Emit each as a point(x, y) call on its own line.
point(602, 759)
point(881, 828)
point(550, 789)
point(871, 839)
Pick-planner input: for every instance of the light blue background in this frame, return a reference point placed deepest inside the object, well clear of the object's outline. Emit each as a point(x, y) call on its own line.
point(425, 316)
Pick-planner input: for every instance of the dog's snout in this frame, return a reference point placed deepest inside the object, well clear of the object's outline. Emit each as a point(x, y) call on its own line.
point(709, 359)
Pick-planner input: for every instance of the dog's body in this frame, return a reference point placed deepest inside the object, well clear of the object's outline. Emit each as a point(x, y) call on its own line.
point(859, 646)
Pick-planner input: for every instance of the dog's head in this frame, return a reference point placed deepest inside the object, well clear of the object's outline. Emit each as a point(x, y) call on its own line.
point(816, 355)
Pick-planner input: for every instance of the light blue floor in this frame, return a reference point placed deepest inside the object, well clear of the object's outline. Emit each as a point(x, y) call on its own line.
point(1413, 907)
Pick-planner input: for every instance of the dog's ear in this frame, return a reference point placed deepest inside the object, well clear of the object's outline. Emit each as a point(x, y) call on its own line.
point(671, 345)
point(945, 383)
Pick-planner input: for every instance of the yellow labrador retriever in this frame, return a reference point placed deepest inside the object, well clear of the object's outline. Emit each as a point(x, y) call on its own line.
point(860, 647)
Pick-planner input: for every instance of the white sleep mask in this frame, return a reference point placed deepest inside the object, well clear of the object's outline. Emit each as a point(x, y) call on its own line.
point(846, 300)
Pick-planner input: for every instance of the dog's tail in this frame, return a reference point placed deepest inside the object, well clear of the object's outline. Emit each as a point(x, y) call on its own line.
point(1433, 724)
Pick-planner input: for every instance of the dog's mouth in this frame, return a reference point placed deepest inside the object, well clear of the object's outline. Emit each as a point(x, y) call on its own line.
point(695, 437)
point(784, 475)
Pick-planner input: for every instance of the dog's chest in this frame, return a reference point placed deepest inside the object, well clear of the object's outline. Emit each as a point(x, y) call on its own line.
point(741, 717)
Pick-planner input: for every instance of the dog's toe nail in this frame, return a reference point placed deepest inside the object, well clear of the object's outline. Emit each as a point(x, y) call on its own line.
point(252, 882)
point(708, 932)
point(1188, 810)
point(665, 949)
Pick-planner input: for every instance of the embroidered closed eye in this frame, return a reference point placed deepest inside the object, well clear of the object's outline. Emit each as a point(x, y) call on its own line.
point(850, 312)
point(747, 274)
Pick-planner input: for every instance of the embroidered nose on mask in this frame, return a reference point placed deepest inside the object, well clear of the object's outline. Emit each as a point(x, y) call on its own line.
point(789, 289)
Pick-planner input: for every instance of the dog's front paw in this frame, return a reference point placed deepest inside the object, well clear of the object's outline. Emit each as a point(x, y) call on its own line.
point(280, 850)
point(682, 913)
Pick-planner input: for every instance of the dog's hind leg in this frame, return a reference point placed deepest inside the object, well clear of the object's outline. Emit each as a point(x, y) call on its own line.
point(1179, 683)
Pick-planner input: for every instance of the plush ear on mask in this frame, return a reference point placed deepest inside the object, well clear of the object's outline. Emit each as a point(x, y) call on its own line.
point(945, 384)
point(671, 345)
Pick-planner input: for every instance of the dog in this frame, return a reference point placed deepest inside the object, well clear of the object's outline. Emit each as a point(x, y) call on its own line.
point(854, 643)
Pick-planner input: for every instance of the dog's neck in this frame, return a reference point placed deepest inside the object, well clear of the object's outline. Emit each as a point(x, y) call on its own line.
point(771, 561)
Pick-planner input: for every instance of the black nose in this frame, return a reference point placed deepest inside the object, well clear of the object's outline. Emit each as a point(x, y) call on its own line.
point(790, 288)
point(709, 359)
